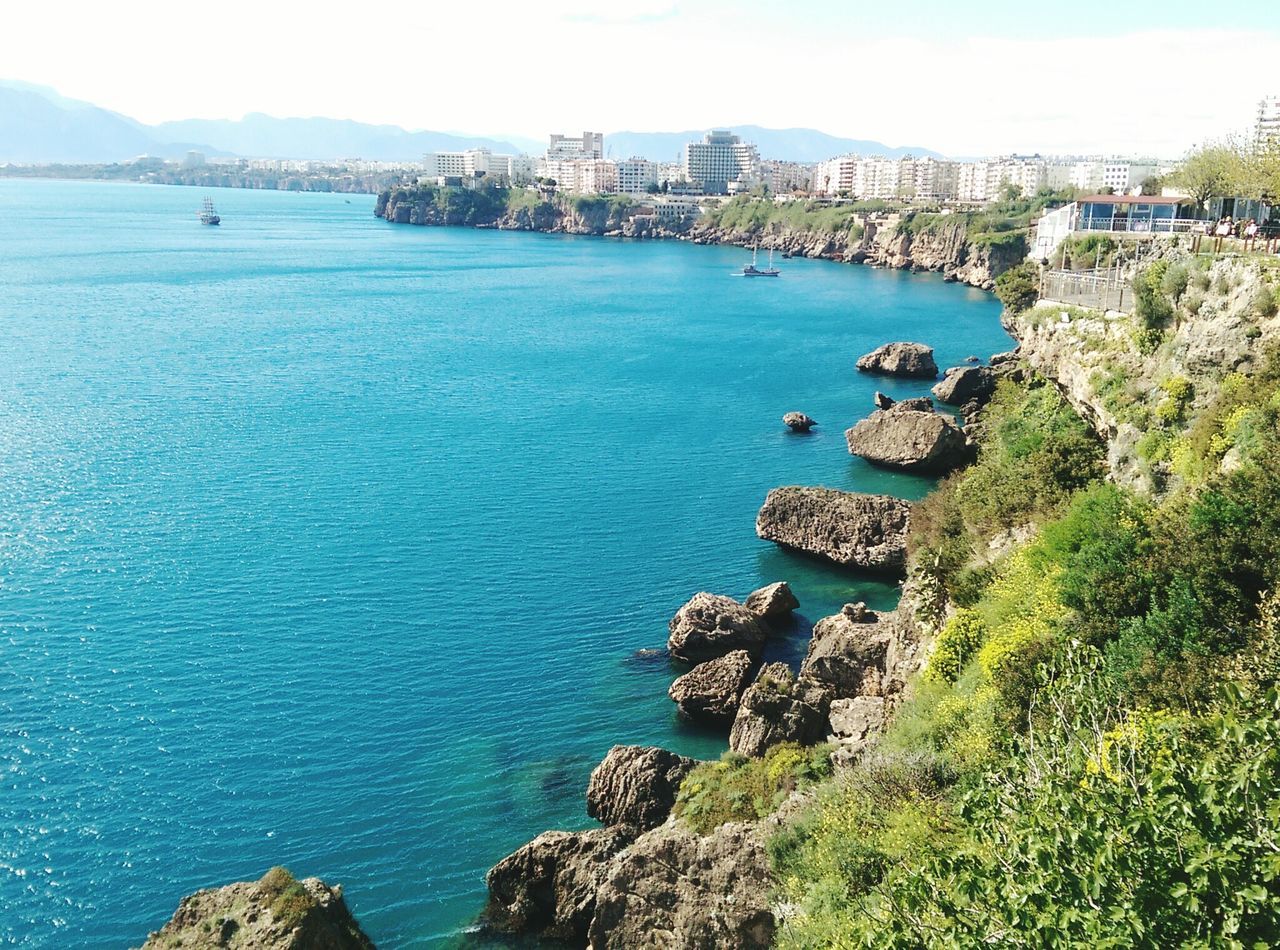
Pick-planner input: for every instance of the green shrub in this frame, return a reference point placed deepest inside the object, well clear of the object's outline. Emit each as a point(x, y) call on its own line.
point(957, 643)
point(1174, 282)
point(740, 789)
point(1263, 303)
point(1019, 287)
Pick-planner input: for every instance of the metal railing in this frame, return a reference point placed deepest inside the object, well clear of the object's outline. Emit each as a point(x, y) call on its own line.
point(1097, 290)
point(1123, 224)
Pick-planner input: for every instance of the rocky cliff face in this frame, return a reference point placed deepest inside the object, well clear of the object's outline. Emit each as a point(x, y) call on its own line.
point(275, 913)
point(1116, 380)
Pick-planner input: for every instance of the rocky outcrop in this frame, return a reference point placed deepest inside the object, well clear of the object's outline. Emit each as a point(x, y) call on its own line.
point(711, 690)
point(852, 530)
point(849, 654)
point(855, 725)
point(773, 604)
point(710, 625)
point(882, 401)
point(798, 422)
point(548, 887)
point(636, 785)
point(673, 888)
point(914, 360)
point(962, 384)
point(778, 708)
point(277, 912)
point(909, 439)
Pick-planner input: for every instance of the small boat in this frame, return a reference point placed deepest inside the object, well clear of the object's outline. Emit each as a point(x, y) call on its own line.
point(207, 214)
point(768, 271)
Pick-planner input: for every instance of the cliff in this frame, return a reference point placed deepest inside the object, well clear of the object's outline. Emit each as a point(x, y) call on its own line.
point(277, 912)
point(944, 247)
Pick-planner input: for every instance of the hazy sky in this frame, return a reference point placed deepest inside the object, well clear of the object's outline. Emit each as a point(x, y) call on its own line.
point(966, 78)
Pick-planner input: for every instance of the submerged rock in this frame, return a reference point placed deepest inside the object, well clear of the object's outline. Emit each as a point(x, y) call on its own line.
point(711, 690)
point(547, 888)
point(909, 439)
point(900, 359)
point(798, 422)
point(674, 888)
point(964, 383)
point(277, 912)
point(773, 604)
point(636, 785)
point(778, 708)
point(854, 530)
point(710, 625)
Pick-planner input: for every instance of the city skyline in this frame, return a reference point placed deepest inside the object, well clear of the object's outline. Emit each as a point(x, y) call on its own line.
point(983, 80)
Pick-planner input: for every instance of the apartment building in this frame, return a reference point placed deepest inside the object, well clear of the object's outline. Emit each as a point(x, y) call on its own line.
point(1267, 130)
point(582, 176)
point(585, 147)
point(785, 177)
point(636, 176)
point(720, 158)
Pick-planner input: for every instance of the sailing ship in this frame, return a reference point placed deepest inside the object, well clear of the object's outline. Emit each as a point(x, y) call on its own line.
point(751, 270)
point(207, 214)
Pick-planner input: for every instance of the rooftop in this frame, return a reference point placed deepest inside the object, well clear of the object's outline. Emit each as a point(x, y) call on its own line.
point(1133, 200)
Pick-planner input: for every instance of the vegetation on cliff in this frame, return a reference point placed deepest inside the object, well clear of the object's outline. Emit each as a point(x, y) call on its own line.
point(1090, 757)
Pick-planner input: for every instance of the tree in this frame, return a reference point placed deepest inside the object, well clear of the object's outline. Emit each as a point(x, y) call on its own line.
point(1209, 170)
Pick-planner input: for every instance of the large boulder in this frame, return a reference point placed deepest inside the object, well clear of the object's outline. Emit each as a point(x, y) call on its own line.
point(636, 785)
point(710, 625)
point(277, 912)
point(773, 604)
point(675, 888)
point(778, 708)
point(851, 653)
point(853, 530)
point(909, 439)
point(962, 384)
point(798, 422)
point(547, 888)
point(900, 359)
point(855, 723)
point(711, 690)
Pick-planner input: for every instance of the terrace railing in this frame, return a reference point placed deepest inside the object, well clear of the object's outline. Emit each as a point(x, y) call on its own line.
point(1097, 290)
point(1124, 224)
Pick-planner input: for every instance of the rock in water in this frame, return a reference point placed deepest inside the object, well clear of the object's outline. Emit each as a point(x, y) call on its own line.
point(901, 359)
point(710, 625)
point(853, 530)
point(909, 439)
point(773, 604)
point(881, 400)
point(548, 887)
point(636, 785)
point(778, 708)
point(278, 912)
point(851, 653)
point(674, 888)
point(711, 690)
point(798, 422)
point(964, 383)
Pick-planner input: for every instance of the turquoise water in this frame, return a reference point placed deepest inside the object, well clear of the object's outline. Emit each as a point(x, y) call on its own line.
point(332, 543)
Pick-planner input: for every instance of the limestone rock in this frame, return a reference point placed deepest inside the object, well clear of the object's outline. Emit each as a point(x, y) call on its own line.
point(964, 383)
point(547, 888)
point(778, 708)
point(854, 530)
point(881, 400)
point(636, 785)
point(972, 359)
point(918, 403)
point(711, 690)
point(900, 359)
point(851, 657)
point(798, 422)
point(710, 625)
point(774, 603)
point(252, 914)
point(909, 439)
point(855, 724)
point(674, 888)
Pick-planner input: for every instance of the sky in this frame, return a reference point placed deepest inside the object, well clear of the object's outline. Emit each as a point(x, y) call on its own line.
point(964, 78)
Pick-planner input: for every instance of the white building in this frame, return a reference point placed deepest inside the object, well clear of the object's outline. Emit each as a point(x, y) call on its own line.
point(637, 175)
point(1268, 128)
point(478, 163)
point(1125, 176)
point(785, 177)
point(582, 176)
point(589, 145)
point(720, 158)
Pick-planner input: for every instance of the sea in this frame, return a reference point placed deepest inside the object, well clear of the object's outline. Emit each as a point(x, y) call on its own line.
point(351, 546)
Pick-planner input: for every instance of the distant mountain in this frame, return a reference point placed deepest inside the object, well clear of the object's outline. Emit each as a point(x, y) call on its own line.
point(796, 145)
point(38, 125)
point(264, 136)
